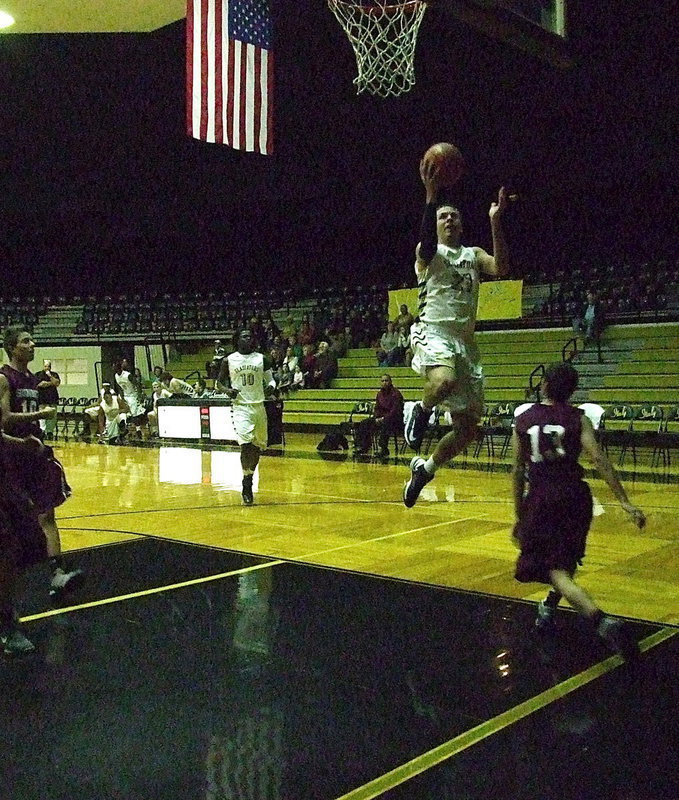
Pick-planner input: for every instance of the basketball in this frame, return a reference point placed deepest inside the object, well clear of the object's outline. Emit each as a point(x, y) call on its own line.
point(449, 161)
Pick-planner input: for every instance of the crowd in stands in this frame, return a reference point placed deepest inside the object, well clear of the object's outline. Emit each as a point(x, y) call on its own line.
point(18, 311)
point(622, 289)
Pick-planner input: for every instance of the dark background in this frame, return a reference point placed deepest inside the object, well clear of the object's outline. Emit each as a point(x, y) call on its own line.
point(102, 190)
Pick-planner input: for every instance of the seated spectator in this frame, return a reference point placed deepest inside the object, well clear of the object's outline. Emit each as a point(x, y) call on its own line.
point(200, 388)
point(289, 328)
point(405, 353)
point(159, 391)
point(590, 322)
point(325, 368)
point(297, 379)
point(339, 344)
point(296, 346)
point(116, 412)
point(157, 373)
point(308, 363)
point(176, 386)
point(212, 366)
point(387, 351)
point(290, 360)
point(306, 333)
point(388, 413)
point(405, 318)
point(283, 379)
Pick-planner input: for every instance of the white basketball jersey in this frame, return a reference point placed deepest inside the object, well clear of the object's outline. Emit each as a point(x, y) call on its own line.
point(449, 289)
point(247, 375)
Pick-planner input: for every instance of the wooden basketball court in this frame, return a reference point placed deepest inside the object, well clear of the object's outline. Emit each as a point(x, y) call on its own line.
point(329, 643)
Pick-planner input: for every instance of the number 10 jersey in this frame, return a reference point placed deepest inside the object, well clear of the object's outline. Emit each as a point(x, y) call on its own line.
point(246, 373)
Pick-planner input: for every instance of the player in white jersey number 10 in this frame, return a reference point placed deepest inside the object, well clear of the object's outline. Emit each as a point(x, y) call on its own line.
point(444, 351)
point(246, 377)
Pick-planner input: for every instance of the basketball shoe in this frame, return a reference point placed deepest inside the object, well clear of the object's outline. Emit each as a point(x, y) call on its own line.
point(415, 423)
point(248, 497)
point(63, 582)
point(618, 638)
point(544, 621)
point(419, 478)
point(14, 643)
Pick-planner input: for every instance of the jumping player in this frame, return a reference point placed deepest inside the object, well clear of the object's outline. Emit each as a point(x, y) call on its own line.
point(39, 474)
point(553, 518)
point(246, 376)
point(444, 350)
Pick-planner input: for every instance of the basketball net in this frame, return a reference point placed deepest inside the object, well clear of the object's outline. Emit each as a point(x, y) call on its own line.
point(383, 37)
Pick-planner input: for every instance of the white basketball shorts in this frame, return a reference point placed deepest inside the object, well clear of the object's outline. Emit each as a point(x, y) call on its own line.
point(249, 422)
point(436, 346)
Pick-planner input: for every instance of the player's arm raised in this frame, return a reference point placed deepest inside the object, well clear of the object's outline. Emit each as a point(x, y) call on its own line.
point(607, 471)
point(426, 249)
point(11, 418)
point(496, 265)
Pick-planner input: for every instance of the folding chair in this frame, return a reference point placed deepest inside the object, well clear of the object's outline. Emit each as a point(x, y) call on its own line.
point(619, 419)
point(649, 420)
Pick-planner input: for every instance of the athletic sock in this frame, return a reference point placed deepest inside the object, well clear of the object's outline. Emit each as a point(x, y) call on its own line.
point(429, 465)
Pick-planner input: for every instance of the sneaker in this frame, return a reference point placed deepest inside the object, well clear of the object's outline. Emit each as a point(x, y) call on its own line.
point(415, 422)
point(248, 497)
point(545, 618)
point(63, 582)
point(617, 636)
point(14, 643)
point(419, 478)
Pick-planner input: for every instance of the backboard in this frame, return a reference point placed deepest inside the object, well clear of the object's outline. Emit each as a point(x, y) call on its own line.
point(538, 27)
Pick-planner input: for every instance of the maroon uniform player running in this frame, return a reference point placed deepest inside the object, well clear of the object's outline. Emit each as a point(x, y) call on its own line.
point(553, 518)
point(39, 474)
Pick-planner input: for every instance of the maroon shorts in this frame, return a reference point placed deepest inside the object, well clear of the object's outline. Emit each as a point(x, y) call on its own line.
point(552, 532)
point(42, 478)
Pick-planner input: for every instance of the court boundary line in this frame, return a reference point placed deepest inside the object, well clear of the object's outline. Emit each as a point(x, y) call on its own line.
point(207, 578)
point(364, 573)
point(147, 592)
point(463, 741)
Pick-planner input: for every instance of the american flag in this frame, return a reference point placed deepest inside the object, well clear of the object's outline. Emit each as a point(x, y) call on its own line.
point(229, 73)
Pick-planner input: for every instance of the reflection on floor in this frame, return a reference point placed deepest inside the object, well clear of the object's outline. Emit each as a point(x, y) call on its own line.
point(290, 682)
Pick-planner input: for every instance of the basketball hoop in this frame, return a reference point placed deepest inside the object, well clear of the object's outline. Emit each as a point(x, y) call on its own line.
point(383, 37)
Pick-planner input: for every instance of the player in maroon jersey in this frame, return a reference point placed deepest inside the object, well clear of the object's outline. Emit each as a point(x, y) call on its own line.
point(553, 518)
point(40, 474)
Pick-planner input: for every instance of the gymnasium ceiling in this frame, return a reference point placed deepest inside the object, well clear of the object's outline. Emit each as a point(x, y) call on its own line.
point(91, 16)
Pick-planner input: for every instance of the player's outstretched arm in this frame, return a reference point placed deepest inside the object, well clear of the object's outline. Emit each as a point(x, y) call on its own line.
point(607, 471)
point(496, 265)
point(426, 249)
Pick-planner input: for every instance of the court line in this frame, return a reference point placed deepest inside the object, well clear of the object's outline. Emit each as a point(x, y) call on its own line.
point(208, 578)
point(463, 741)
point(146, 592)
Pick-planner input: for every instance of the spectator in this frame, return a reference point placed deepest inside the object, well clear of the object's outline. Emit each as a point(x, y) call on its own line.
point(308, 363)
point(404, 318)
point(307, 333)
point(159, 391)
point(290, 360)
point(325, 368)
point(200, 388)
point(388, 348)
point(297, 379)
point(405, 353)
point(176, 386)
point(48, 395)
point(296, 346)
point(212, 367)
point(590, 323)
point(388, 413)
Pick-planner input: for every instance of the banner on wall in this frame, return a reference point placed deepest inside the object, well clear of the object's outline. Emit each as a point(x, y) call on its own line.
point(497, 300)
